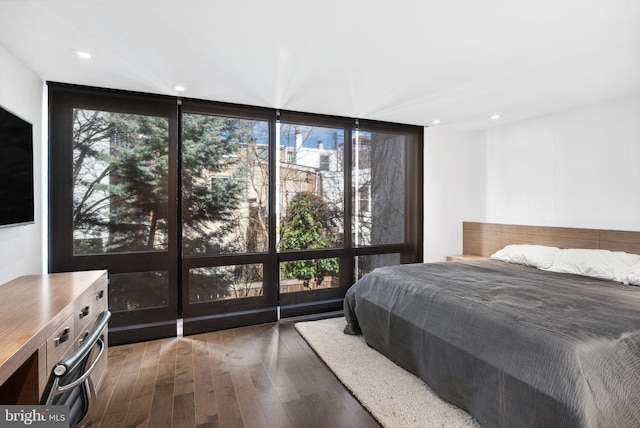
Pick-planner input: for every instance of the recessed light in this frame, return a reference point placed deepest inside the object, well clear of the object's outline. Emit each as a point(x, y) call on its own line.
point(436, 122)
point(83, 54)
point(179, 88)
point(494, 117)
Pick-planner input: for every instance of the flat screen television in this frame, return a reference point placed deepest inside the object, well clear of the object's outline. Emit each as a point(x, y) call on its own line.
point(16, 170)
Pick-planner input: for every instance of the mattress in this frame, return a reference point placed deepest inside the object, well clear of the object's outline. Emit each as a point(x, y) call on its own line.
point(513, 345)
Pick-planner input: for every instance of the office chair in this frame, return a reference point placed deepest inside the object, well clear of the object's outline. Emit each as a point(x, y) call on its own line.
point(70, 380)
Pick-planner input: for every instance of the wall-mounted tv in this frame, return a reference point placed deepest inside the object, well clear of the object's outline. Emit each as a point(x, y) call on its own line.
point(16, 170)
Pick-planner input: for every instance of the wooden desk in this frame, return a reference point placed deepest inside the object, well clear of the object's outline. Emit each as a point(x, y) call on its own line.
point(42, 319)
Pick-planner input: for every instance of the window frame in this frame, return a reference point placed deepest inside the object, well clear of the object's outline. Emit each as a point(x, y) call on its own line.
point(63, 97)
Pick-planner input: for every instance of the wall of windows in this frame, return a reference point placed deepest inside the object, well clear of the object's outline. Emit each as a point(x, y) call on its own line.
point(223, 214)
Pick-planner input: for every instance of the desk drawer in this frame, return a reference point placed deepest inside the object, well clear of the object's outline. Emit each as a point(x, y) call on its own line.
point(61, 342)
point(88, 309)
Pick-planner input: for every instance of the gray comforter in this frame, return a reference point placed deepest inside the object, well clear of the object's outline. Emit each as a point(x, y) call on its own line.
point(513, 345)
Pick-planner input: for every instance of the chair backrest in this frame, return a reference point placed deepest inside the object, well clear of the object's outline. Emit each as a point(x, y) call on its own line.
point(70, 380)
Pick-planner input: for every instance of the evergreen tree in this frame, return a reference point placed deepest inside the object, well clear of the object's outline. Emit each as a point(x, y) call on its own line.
point(139, 184)
point(210, 146)
point(308, 225)
point(121, 167)
point(121, 180)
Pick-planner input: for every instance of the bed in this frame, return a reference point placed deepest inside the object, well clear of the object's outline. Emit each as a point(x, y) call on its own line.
point(513, 344)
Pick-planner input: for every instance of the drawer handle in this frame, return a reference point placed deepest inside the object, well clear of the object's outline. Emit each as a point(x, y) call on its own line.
point(63, 337)
point(84, 312)
point(99, 294)
point(84, 336)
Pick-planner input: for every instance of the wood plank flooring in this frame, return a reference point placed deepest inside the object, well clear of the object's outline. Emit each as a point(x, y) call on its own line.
point(263, 376)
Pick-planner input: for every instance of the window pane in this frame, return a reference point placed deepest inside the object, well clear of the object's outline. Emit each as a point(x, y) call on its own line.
point(225, 166)
point(207, 284)
point(365, 264)
point(120, 199)
point(141, 290)
point(311, 187)
point(379, 188)
point(312, 274)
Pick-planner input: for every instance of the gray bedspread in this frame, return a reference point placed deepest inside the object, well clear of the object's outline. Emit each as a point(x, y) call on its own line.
point(513, 345)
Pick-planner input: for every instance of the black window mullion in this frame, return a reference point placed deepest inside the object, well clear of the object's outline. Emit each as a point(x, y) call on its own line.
point(272, 275)
point(178, 213)
point(348, 203)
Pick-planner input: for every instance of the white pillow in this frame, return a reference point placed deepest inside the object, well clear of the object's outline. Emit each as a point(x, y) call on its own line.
point(632, 277)
point(605, 264)
point(538, 256)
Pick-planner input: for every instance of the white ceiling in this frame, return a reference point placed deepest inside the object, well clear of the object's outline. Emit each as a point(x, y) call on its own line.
point(407, 61)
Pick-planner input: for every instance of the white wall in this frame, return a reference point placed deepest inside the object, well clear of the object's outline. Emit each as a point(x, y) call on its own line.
point(454, 188)
point(577, 168)
point(21, 247)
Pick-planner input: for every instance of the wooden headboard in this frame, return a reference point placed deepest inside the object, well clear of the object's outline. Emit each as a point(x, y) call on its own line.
point(484, 239)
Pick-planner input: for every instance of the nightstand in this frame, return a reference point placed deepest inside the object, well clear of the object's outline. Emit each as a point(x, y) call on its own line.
point(466, 257)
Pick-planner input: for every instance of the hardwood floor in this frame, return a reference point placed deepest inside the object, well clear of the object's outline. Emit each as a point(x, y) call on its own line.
point(259, 376)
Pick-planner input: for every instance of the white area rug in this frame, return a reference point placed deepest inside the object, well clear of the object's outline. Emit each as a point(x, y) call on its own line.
point(395, 397)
